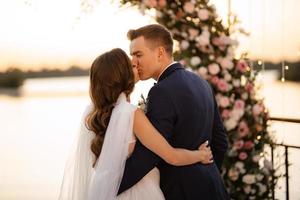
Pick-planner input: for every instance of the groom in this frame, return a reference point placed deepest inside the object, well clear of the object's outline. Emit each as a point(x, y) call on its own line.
point(183, 109)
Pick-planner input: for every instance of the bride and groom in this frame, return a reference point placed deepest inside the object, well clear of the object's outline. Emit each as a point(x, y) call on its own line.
point(173, 152)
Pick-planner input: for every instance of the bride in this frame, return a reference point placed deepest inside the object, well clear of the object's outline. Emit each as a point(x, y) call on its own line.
point(107, 136)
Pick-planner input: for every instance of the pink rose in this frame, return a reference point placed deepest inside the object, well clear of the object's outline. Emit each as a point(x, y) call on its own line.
point(256, 158)
point(151, 3)
point(162, 3)
point(226, 63)
point(225, 113)
point(224, 101)
point(249, 87)
point(214, 80)
point(183, 62)
point(247, 189)
point(203, 14)
point(203, 39)
point(239, 144)
point(243, 129)
point(239, 104)
point(243, 156)
point(242, 66)
point(257, 109)
point(213, 68)
point(216, 41)
point(189, 7)
point(223, 85)
point(248, 145)
point(193, 33)
point(184, 44)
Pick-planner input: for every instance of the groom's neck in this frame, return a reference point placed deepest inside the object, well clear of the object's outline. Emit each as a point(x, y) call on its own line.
point(164, 65)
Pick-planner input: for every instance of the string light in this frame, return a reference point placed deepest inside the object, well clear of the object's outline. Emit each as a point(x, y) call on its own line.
point(261, 154)
point(258, 137)
point(286, 67)
point(282, 72)
point(259, 62)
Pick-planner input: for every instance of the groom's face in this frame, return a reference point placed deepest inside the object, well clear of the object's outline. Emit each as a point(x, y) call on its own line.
point(144, 57)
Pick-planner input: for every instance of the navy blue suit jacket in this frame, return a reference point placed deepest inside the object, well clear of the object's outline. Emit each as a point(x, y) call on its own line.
point(182, 107)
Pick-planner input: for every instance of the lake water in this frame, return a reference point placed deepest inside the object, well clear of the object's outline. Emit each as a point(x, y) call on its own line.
point(37, 130)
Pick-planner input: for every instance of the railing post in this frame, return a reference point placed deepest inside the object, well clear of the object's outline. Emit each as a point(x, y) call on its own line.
point(273, 183)
point(287, 172)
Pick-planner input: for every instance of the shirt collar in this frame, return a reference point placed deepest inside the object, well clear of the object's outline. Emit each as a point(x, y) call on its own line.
point(165, 69)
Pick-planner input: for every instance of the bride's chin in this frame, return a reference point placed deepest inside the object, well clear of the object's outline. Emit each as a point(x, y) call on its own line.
point(137, 79)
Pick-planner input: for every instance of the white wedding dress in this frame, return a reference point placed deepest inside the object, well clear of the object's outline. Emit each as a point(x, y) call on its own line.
point(83, 182)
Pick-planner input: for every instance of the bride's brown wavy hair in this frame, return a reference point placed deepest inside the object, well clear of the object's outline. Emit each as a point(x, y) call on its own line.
point(110, 75)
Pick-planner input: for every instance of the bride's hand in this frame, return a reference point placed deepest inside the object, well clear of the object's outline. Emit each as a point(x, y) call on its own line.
point(205, 153)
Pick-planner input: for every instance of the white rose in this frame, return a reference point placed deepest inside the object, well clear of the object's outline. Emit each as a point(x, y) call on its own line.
point(236, 114)
point(195, 60)
point(249, 179)
point(262, 188)
point(232, 153)
point(259, 177)
point(230, 87)
point(233, 174)
point(239, 165)
point(268, 164)
point(211, 57)
point(184, 34)
point(227, 77)
point(213, 68)
point(247, 189)
point(184, 44)
point(230, 124)
point(236, 82)
point(230, 53)
point(203, 14)
point(245, 96)
point(202, 71)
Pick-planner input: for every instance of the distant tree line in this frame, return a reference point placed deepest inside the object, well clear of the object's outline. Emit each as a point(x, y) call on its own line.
point(14, 77)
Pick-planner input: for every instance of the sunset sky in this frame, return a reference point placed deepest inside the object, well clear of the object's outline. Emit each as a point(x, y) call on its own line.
point(37, 34)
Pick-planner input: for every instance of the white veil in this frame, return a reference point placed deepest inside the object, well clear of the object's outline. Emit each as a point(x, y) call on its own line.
point(81, 181)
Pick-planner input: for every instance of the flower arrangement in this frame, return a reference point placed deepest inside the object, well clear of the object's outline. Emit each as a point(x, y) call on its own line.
point(204, 45)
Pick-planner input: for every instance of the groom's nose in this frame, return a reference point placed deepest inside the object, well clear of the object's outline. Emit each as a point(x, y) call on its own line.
point(135, 63)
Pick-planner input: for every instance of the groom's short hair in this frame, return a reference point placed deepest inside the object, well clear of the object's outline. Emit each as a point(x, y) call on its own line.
point(157, 34)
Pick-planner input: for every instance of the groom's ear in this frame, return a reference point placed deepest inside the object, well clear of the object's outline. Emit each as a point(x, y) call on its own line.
point(161, 51)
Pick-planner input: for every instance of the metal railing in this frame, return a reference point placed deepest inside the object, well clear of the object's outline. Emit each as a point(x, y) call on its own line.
point(286, 153)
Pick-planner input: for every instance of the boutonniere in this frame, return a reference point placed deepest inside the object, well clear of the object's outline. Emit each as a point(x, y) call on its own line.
point(142, 104)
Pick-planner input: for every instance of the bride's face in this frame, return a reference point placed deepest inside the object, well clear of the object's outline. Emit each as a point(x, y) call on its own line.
point(135, 72)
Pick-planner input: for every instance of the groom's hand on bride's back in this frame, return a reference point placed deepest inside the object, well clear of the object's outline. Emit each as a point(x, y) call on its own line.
point(205, 153)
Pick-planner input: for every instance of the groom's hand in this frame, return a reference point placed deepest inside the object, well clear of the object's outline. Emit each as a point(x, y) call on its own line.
point(205, 153)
